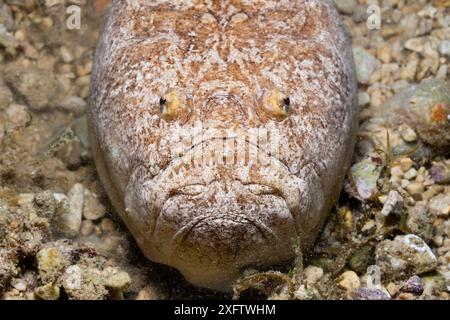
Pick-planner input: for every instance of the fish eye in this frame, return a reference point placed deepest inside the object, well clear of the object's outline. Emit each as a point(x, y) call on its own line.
point(172, 105)
point(277, 105)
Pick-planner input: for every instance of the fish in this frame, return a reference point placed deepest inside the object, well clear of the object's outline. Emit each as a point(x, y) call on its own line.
point(222, 130)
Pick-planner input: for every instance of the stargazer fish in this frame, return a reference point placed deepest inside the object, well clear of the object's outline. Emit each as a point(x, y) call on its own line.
point(222, 130)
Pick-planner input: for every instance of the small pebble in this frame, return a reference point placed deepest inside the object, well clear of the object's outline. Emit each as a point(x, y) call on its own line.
point(107, 225)
point(93, 209)
point(440, 204)
point(18, 116)
point(146, 293)
point(404, 256)
point(87, 228)
point(313, 274)
point(413, 285)
point(349, 281)
point(407, 133)
point(74, 104)
point(406, 164)
point(410, 174)
point(370, 294)
point(366, 64)
point(345, 6)
point(415, 189)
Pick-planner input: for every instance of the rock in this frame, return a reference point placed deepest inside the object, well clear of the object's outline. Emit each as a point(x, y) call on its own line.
point(345, 6)
point(37, 86)
point(406, 296)
point(7, 269)
point(6, 17)
point(419, 221)
point(393, 204)
point(107, 225)
point(84, 283)
point(409, 71)
point(363, 98)
point(361, 259)
point(312, 274)
point(18, 116)
point(408, 25)
point(442, 72)
point(66, 54)
point(415, 44)
point(81, 130)
point(407, 133)
point(415, 189)
point(444, 48)
point(440, 204)
point(392, 289)
point(7, 40)
point(370, 294)
point(110, 244)
point(368, 228)
point(51, 3)
point(399, 85)
point(118, 280)
point(425, 108)
point(432, 285)
point(365, 63)
point(49, 291)
point(51, 263)
point(410, 174)
point(378, 135)
point(28, 235)
point(385, 54)
point(93, 209)
point(45, 204)
point(69, 213)
point(413, 285)
point(74, 104)
point(146, 293)
point(364, 177)
point(87, 228)
point(440, 172)
point(403, 257)
point(306, 293)
point(19, 284)
point(349, 281)
point(396, 171)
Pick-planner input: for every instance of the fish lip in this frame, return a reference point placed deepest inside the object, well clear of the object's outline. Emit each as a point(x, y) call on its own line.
point(182, 233)
point(175, 192)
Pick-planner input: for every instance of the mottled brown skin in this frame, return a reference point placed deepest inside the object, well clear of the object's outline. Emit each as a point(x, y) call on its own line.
point(164, 66)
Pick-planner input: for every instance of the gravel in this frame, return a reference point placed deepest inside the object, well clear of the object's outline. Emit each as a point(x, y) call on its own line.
point(393, 213)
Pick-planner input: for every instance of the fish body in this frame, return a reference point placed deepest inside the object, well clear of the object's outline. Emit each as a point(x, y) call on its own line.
point(222, 130)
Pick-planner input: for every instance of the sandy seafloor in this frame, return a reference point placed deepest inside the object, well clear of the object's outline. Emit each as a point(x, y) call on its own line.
point(387, 238)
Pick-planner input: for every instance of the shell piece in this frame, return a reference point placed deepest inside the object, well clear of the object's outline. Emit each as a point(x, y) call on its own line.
point(223, 184)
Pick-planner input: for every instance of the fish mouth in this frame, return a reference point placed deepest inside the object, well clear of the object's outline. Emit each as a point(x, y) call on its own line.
point(195, 190)
point(178, 239)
